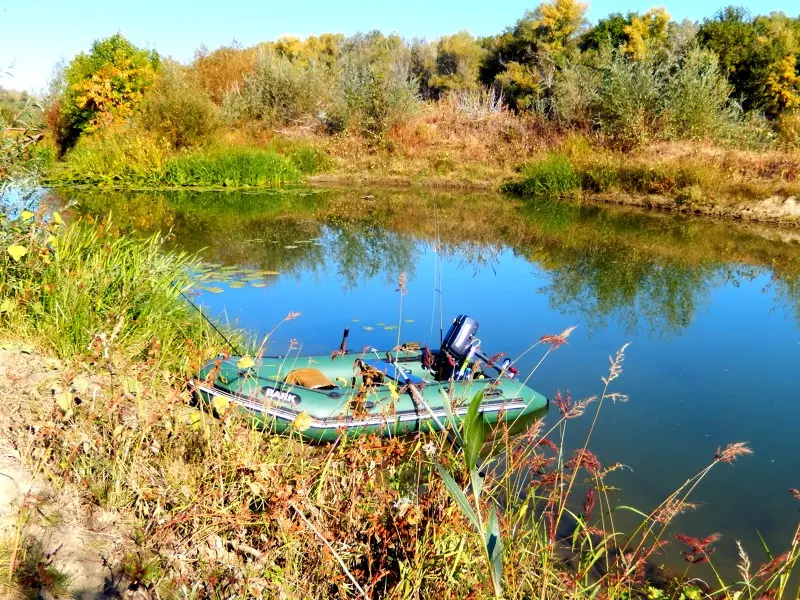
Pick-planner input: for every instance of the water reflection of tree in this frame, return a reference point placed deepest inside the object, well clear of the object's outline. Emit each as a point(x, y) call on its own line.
point(364, 251)
point(639, 269)
point(644, 270)
point(603, 286)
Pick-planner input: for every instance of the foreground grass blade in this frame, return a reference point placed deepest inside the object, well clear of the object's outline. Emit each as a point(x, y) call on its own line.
point(458, 495)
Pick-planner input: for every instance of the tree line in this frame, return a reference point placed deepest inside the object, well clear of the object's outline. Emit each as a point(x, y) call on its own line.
point(630, 78)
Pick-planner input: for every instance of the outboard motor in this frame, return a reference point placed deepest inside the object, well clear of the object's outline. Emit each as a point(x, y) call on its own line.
point(457, 345)
point(460, 348)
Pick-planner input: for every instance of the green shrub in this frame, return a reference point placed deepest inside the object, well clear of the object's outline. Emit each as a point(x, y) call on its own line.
point(630, 101)
point(696, 98)
point(574, 94)
point(280, 90)
point(548, 179)
point(181, 112)
point(374, 87)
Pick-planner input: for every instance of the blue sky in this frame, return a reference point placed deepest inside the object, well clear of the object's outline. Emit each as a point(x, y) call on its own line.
point(36, 34)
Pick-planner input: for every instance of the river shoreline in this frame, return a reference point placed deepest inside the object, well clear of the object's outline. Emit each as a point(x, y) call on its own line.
point(781, 211)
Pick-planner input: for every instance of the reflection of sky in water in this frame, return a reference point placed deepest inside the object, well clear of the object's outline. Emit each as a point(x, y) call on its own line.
point(728, 374)
point(715, 344)
point(15, 199)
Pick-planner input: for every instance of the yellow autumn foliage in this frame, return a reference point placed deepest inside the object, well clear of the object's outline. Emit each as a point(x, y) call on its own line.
point(784, 83)
point(645, 31)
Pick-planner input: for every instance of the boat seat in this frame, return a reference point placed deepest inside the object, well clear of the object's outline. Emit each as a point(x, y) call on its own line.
point(313, 379)
point(392, 371)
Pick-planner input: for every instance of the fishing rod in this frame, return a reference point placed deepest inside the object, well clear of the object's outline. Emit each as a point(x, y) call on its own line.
point(236, 350)
point(437, 274)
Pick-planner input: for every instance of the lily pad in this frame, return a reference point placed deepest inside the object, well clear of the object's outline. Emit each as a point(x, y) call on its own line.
point(213, 289)
point(235, 285)
point(367, 328)
point(258, 284)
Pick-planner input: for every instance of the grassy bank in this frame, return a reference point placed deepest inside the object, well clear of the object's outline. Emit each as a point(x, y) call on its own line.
point(700, 180)
point(207, 507)
point(442, 148)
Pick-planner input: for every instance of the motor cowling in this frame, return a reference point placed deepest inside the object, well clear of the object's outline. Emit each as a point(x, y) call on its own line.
point(458, 341)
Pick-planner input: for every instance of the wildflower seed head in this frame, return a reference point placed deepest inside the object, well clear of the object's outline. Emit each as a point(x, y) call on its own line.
point(586, 459)
point(615, 370)
point(558, 339)
point(401, 284)
point(671, 509)
point(732, 451)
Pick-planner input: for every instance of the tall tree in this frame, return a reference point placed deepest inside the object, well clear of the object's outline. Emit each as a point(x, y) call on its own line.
point(524, 59)
point(104, 86)
point(646, 32)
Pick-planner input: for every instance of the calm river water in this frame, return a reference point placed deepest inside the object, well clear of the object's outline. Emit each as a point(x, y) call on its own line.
point(711, 310)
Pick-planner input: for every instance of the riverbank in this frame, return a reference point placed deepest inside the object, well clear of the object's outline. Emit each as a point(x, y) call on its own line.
point(443, 150)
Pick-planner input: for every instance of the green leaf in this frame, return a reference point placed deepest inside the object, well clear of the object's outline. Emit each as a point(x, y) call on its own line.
point(236, 285)
point(7, 305)
point(477, 481)
point(213, 289)
point(494, 549)
point(458, 495)
point(764, 545)
point(245, 363)
point(17, 252)
point(653, 593)
point(473, 431)
point(64, 401)
point(692, 592)
point(132, 386)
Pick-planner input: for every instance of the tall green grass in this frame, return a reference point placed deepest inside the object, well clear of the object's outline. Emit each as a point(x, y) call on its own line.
point(142, 160)
point(78, 290)
point(550, 178)
point(557, 176)
point(231, 168)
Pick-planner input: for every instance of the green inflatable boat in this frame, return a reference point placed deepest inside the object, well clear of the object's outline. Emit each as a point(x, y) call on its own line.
point(390, 393)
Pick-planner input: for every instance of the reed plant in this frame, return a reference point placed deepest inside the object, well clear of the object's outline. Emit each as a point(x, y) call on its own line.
point(142, 160)
point(230, 168)
point(547, 179)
